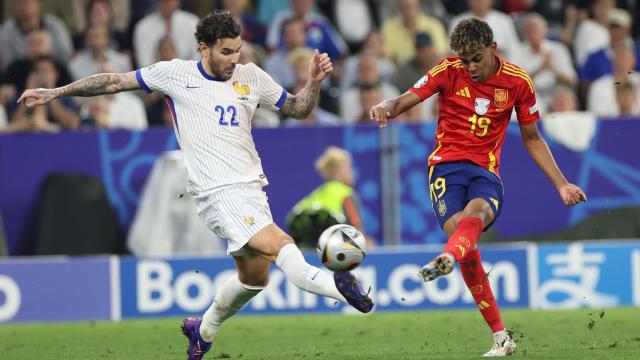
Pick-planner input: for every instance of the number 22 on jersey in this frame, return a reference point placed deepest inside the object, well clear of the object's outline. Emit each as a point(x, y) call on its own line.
point(230, 112)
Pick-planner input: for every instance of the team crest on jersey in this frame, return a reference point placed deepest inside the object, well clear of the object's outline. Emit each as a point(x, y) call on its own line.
point(242, 90)
point(442, 207)
point(481, 105)
point(420, 83)
point(501, 97)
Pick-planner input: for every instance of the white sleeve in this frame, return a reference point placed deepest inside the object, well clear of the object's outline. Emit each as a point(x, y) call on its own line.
point(272, 94)
point(155, 77)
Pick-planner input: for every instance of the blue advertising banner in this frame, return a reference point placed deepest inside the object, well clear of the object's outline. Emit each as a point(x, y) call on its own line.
point(123, 161)
point(156, 287)
point(55, 289)
point(574, 275)
point(586, 274)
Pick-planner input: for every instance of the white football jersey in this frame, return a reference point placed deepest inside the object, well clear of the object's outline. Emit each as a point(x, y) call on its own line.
point(212, 118)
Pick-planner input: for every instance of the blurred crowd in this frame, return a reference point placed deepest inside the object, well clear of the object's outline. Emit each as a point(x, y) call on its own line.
point(582, 55)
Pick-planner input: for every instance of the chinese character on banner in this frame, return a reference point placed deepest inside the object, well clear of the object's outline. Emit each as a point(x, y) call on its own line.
point(573, 280)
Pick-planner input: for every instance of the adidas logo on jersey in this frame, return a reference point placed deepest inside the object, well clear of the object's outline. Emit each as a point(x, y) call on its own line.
point(464, 92)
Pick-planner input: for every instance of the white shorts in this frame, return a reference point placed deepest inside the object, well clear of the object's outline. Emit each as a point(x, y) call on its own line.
point(235, 212)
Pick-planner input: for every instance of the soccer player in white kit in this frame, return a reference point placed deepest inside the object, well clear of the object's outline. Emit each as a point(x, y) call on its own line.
point(212, 102)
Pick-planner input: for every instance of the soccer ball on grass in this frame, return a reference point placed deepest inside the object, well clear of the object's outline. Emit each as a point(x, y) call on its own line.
point(341, 247)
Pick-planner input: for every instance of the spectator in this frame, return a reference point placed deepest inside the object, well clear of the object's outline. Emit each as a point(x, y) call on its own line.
point(29, 17)
point(369, 97)
point(354, 19)
point(372, 46)
point(154, 102)
point(97, 55)
point(547, 62)
point(598, 63)
point(592, 34)
point(38, 44)
point(627, 99)
point(602, 94)
point(119, 16)
point(414, 69)
point(564, 100)
point(100, 12)
point(277, 65)
point(299, 60)
point(504, 32)
point(321, 34)
point(115, 111)
point(167, 21)
point(333, 202)
point(417, 66)
point(59, 114)
point(368, 76)
point(399, 31)
point(565, 124)
point(252, 30)
point(250, 53)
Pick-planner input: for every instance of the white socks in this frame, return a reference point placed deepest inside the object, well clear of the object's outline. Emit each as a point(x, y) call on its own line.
point(305, 276)
point(230, 298)
point(233, 294)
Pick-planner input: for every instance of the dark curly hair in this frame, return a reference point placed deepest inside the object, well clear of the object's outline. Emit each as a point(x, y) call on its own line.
point(216, 25)
point(470, 35)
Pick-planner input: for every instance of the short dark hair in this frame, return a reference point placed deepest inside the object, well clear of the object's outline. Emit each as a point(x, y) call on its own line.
point(216, 25)
point(471, 35)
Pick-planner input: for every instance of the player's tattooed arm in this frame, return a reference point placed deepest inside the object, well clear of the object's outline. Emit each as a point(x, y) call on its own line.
point(99, 84)
point(300, 105)
point(93, 85)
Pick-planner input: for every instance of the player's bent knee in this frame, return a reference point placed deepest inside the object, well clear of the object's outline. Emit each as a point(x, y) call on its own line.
point(285, 240)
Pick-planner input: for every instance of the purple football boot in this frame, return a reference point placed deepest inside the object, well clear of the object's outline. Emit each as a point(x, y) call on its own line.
point(349, 287)
point(197, 346)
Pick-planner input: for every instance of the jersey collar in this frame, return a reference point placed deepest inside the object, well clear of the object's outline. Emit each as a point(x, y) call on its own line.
point(204, 73)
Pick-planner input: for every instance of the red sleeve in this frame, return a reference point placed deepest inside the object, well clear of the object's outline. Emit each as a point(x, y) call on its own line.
point(432, 82)
point(526, 107)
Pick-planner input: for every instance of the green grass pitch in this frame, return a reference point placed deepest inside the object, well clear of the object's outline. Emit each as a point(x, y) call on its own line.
point(573, 334)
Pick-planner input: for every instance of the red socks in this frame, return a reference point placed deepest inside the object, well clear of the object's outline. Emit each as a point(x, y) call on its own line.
point(463, 240)
point(478, 283)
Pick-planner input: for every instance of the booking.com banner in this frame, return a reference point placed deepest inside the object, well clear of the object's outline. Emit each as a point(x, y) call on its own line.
point(581, 274)
point(175, 287)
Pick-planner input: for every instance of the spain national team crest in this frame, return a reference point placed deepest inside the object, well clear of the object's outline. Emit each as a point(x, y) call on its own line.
point(481, 105)
point(501, 98)
point(442, 207)
point(243, 90)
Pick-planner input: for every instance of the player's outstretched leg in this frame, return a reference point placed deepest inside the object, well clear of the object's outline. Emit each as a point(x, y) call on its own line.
point(312, 279)
point(197, 345)
point(352, 291)
point(230, 298)
point(477, 281)
point(439, 266)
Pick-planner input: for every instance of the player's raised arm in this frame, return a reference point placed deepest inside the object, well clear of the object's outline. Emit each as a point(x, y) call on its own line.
point(539, 150)
point(300, 105)
point(393, 107)
point(99, 84)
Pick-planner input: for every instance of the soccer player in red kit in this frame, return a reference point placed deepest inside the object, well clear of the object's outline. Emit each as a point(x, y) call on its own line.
point(477, 93)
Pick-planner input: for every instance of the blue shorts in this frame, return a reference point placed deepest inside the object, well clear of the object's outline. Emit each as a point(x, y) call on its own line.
point(453, 185)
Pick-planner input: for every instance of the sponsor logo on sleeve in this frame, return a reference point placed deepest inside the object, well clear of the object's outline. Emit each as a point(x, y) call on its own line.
point(420, 83)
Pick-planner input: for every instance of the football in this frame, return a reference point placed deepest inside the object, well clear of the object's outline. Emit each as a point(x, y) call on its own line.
point(341, 247)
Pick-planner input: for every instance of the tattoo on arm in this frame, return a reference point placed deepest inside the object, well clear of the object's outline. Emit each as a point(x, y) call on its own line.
point(300, 105)
point(100, 84)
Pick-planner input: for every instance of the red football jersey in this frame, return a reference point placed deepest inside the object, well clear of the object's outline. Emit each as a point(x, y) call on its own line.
point(473, 116)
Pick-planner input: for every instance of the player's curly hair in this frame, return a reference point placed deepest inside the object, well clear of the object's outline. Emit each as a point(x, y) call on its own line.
point(216, 25)
point(471, 35)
